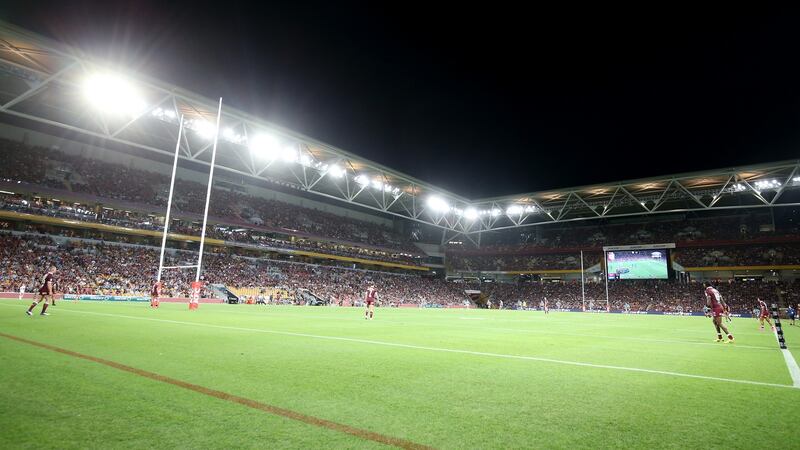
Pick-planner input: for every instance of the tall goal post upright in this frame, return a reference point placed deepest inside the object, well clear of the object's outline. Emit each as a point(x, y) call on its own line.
point(583, 287)
point(605, 262)
point(169, 201)
point(195, 288)
point(208, 193)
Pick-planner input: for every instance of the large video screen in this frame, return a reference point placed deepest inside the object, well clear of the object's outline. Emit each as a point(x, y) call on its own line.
point(637, 264)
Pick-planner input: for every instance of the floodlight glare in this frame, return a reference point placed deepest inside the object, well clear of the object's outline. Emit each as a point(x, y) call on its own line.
point(113, 95)
point(470, 213)
point(289, 154)
point(265, 146)
point(514, 210)
point(336, 171)
point(362, 180)
point(305, 160)
point(204, 128)
point(438, 204)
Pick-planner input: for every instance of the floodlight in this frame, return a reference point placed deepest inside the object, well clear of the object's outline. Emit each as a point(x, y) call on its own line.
point(113, 95)
point(232, 135)
point(438, 204)
point(204, 128)
point(471, 213)
point(362, 179)
point(305, 160)
point(514, 210)
point(336, 171)
point(265, 146)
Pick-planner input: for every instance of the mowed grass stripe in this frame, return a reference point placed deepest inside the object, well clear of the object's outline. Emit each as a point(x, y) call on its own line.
point(283, 412)
point(445, 350)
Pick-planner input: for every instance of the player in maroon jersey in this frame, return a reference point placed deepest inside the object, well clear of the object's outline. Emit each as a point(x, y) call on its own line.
point(46, 292)
point(717, 308)
point(370, 298)
point(764, 315)
point(155, 293)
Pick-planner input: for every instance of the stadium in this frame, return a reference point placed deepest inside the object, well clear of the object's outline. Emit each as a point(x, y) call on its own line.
point(307, 297)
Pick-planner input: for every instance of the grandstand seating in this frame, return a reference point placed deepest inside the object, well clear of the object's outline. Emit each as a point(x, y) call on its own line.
point(117, 269)
point(107, 182)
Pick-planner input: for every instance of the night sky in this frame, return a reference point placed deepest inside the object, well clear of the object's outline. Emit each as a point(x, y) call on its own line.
point(479, 102)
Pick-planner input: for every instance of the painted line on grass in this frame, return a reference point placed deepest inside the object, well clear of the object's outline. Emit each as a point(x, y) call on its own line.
point(794, 370)
point(276, 410)
point(791, 364)
point(449, 350)
point(517, 330)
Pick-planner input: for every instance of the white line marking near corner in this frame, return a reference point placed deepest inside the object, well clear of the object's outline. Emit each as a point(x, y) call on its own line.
point(794, 370)
point(791, 364)
point(448, 350)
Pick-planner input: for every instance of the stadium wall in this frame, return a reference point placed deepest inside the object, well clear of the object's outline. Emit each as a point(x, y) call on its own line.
point(70, 147)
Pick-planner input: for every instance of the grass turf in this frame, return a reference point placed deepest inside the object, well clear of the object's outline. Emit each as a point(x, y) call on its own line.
point(281, 356)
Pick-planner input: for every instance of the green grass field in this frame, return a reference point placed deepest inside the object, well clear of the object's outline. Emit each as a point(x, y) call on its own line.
point(438, 378)
point(644, 269)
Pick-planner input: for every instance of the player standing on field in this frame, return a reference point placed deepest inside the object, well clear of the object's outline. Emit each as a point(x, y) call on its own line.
point(370, 298)
point(764, 315)
point(21, 290)
point(717, 306)
point(791, 313)
point(46, 292)
point(155, 293)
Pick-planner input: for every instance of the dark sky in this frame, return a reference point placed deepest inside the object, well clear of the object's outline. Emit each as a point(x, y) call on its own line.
point(476, 101)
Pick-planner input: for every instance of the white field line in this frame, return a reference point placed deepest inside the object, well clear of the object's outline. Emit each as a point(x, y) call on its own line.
point(272, 313)
point(446, 350)
point(516, 330)
point(791, 364)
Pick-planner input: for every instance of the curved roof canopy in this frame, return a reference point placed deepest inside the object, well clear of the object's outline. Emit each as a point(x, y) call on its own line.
point(52, 84)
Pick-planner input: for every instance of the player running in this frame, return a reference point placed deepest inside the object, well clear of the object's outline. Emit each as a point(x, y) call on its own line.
point(370, 298)
point(46, 292)
point(764, 315)
point(791, 312)
point(717, 306)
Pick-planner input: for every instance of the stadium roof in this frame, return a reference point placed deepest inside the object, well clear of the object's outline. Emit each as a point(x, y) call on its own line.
point(52, 84)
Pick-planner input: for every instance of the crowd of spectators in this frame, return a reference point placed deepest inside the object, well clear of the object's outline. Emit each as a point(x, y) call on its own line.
point(539, 261)
point(640, 295)
point(739, 255)
point(118, 217)
point(130, 270)
point(597, 234)
point(109, 181)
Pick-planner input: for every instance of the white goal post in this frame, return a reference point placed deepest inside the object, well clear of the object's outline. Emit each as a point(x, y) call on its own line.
point(199, 265)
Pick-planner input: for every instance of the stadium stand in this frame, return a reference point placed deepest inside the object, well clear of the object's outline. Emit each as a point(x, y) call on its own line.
point(110, 194)
point(106, 268)
point(107, 183)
